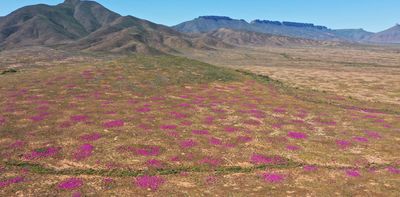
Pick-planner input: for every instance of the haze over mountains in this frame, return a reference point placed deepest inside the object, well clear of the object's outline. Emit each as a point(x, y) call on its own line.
point(251, 38)
point(204, 24)
point(87, 25)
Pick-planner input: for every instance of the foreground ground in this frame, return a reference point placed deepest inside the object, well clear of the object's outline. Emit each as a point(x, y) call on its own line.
point(164, 125)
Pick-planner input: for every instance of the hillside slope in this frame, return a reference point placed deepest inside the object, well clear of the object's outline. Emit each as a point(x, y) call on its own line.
point(237, 37)
point(86, 25)
point(391, 35)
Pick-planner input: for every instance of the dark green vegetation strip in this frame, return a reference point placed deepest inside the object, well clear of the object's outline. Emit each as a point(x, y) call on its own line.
point(11, 70)
point(40, 169)
point(172, 70)
point(261, 78)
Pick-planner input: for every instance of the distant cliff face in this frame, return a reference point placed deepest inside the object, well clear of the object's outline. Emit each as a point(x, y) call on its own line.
point(294, 29)
point(216, 18)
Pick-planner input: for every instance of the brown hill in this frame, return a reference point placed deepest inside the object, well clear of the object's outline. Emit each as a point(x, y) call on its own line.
point(87, 25)
point(391, 35)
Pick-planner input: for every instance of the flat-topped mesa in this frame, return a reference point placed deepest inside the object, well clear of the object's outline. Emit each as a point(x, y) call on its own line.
point(320, 27)
point(258, 21)
point(310, 25)
point(286, 23)
point(295, 24)
point(215, 18)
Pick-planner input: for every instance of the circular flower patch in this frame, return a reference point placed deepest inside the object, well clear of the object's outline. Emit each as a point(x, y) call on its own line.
point(70, 184)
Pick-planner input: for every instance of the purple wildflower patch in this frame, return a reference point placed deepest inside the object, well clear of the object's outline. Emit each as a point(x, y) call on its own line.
point(154, 163)
point(42, 153)
point(2, 120)
point(189, 143)
point(149, 182)
point(186, 123)
point(70, 184)
point(373, 134)
point(297, 135)
point(209, 120)
point(210, 180)
point(213, 162)
point(326, 122)
point(252, 122)
point(144, 126)
point(272, 177)
point(353, 173)
point(108, 181)
point(76, 194)
point(185, 105)
point(17, 144)
point(259, 159)
point(280, 110)
point(310, 168)
point(79, 118)
point(243, 139)
point(90, 137)
point(42, 108)
point(38, 118)
point(114, 124)
point(178, 115)
point(174, 134)
point(393, 170)
point(360, 139)
point(66, 124)
point(84, 152)
point(201, 132)
point(293, 147)
point(168, 127)
point(230, 129)
point(149, 151)
point(144, 109)
point(215, 141)
point(343, 144)
point(10, 181)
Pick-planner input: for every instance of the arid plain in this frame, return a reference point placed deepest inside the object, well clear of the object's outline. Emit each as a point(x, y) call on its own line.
point(277, 120)
point(359, 71)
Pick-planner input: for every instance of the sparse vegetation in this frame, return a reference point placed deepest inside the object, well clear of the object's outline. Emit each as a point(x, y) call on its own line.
point(110, 105)
point(7, 71)
point(165, 122)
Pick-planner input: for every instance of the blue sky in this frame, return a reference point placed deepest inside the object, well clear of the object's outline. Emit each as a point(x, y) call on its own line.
point(372, 15)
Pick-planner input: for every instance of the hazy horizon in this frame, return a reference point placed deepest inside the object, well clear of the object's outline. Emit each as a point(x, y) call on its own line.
point(340, 14)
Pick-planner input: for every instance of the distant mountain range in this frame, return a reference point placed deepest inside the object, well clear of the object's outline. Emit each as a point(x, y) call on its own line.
point(87, 25)
point(205, 24)
point(250, 38)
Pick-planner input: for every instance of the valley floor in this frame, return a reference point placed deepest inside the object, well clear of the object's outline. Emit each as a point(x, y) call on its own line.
point(368, 73)
point(170, 126)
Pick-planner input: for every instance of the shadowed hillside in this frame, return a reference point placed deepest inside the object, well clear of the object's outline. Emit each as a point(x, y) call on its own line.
point(87, 25)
